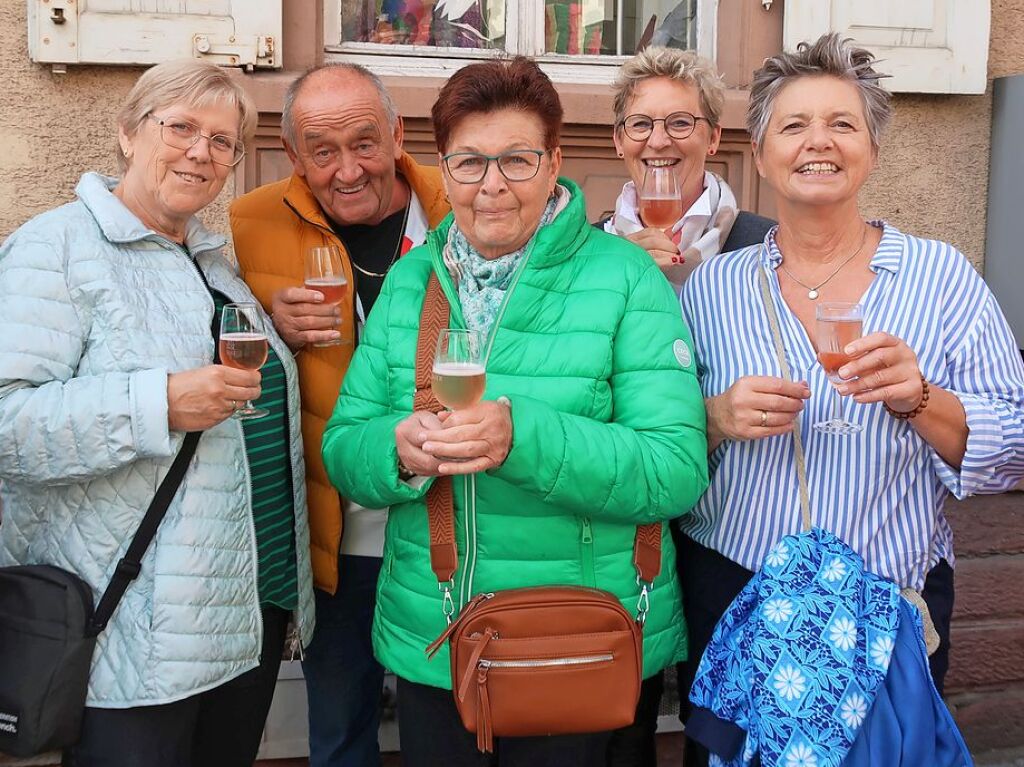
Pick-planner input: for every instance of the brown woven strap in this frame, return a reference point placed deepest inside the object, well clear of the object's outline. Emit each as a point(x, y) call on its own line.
point(444, 557)
point(647, 551)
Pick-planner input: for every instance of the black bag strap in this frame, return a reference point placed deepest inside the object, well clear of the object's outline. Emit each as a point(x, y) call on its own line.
point(129, 566)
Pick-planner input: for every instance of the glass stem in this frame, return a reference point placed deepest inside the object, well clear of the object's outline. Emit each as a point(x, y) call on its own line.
point(837, 408)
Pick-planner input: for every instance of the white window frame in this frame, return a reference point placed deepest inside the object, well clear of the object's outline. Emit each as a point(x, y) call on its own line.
point(524, 33)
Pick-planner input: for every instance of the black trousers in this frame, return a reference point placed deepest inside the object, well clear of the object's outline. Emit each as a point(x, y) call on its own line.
point(218, 728)
point(710, 583)
point(432, 735)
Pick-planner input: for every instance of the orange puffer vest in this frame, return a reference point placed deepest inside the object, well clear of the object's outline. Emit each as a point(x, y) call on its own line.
point(272, 227)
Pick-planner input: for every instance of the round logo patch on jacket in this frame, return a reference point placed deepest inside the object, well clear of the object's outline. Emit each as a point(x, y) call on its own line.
point(682, 352)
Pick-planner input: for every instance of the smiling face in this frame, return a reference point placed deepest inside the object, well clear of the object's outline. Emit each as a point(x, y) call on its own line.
point(816, 149)
point(499, 216)
point(658, 97)
point(346, 150)
point(164, 185)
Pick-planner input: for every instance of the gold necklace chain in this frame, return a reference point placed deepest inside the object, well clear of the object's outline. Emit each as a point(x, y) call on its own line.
point(812, 291)
point(394, 257)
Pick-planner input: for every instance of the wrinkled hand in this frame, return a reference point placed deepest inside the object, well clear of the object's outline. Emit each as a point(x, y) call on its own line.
point(477, 438)
point(301, 317)
point(409, 437)
point(885, 370)
point(659, 245)
point(755, 407)
point(201, 398)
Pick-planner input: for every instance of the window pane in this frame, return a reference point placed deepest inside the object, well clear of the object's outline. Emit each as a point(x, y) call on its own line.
point(440, 23)
point(618, 27)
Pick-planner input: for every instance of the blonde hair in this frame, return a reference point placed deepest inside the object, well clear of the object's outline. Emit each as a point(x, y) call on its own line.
point(196, 83)
point(830, 56)
point(677, 65)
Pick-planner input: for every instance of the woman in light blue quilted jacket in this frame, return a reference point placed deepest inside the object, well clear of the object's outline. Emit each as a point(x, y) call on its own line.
point(106, 351)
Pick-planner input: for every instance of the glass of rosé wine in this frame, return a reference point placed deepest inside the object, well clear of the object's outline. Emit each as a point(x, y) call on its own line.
point(458, 377)
point(661, 201)
point(837, 324)
point(243, 345)
point(325, 274)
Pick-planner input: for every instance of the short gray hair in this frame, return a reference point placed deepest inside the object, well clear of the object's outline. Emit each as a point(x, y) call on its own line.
point(188, 81)
point(828, 55)
point(388, 104)
point(677, 65)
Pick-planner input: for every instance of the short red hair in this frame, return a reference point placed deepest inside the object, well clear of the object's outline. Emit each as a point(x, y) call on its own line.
point(488, 86)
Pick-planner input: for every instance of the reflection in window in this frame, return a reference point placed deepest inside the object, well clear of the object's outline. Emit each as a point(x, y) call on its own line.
point(618, 27)
point(439, 23)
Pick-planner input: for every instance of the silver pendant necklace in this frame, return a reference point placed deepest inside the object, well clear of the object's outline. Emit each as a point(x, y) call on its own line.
point(812, 290)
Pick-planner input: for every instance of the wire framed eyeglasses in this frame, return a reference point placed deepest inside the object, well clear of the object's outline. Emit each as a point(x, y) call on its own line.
point(677, 125)
point(179, 133)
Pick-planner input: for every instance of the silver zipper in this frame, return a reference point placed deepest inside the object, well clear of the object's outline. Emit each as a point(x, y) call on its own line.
point(579, 660)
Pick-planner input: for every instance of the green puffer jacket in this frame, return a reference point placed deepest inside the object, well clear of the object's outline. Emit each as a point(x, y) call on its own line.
point(608, 432)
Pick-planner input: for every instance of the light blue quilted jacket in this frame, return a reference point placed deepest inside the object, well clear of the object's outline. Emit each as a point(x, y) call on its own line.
point(95, 312)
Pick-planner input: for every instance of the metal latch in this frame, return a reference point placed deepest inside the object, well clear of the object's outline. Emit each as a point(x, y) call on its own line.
point(766, 4)
point(57, 16)
point(249, 52)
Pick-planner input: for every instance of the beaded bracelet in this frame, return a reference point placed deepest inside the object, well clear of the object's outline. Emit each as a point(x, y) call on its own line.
point(917, 410)
point(404, 472)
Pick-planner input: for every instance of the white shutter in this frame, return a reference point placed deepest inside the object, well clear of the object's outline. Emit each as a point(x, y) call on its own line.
point(928, 46)
point(243, 33)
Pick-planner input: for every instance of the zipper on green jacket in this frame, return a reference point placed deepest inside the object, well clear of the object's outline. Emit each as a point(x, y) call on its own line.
point(457, 319)
point(587, 553)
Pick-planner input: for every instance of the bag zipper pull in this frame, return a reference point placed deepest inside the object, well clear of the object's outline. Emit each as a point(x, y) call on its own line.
point(437, 644)
point(476, 660)
point(484, 727)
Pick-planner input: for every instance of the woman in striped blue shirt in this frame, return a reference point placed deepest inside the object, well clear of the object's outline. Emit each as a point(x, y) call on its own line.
point(937, 382)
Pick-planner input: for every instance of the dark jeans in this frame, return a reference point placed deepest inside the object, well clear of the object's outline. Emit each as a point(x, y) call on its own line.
point(710, 583)
point(432, 735)
point(218, 728)
point(343, 679)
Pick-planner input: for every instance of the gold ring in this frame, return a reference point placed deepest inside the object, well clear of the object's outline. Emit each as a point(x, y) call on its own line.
point(764, 418)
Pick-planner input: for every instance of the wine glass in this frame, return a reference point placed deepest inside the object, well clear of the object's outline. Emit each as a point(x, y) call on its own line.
point(457, 376)
point(325, 274)
point(837, 324)
point(243, 345)
point(661, 200)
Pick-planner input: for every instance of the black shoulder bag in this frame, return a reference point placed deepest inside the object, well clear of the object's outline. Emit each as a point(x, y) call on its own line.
point(48, 629)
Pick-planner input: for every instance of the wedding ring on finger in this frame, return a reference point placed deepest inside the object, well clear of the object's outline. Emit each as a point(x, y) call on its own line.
point(764, 418)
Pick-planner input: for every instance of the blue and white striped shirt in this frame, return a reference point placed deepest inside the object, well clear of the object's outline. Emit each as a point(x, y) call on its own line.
point(882, 490)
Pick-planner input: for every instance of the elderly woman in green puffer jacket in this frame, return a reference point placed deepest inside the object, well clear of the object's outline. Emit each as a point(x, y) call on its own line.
point(592, 420)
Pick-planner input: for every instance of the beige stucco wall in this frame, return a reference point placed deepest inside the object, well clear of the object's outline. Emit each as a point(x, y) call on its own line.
point(54, 127)
point(932, 176)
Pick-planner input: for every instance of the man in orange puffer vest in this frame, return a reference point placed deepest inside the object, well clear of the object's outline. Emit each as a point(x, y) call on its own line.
point(353, 187)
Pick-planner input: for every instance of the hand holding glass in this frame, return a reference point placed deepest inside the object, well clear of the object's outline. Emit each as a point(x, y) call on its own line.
point(325, 274)
point(836, 325)
point(661, 201)
point(458, 377)
point(243, 345)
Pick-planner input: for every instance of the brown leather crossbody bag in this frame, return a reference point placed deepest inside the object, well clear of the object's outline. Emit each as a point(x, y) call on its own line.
point(547, 660)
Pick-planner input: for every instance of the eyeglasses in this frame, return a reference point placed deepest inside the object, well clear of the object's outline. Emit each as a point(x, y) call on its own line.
point(515, 165)
point(181, 134)
point(677, 125)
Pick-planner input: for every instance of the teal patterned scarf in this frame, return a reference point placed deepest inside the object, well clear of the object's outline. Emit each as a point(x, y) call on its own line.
point(482, 282)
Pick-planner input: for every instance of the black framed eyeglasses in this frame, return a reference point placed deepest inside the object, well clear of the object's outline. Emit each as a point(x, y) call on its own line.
point(677, 125)
point(515, 164)
point(182, 134)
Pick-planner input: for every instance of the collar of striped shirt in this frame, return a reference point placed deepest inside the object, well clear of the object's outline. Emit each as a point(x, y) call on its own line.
point(881, 491)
